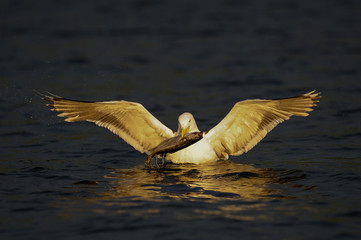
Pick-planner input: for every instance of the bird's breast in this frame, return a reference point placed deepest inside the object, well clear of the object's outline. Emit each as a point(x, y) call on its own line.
point(198, 152)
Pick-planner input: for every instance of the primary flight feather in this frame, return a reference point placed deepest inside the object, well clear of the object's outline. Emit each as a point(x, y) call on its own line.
point(244, 126)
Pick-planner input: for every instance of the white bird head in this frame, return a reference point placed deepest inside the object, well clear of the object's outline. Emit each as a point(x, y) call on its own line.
point(186, 124)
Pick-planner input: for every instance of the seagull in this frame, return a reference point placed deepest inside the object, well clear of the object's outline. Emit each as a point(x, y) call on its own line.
point(247, 123)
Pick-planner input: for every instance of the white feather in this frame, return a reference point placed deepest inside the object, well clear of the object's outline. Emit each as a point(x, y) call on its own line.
point(244, 126)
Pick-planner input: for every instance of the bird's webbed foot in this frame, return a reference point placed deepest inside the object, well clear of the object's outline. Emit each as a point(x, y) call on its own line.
point(162, 160)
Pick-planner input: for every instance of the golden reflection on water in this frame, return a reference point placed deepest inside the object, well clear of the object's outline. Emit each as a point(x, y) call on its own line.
point(221, 180)
point(187, 191)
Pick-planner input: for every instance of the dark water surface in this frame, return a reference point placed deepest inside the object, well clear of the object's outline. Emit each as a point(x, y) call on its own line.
point(78, 181)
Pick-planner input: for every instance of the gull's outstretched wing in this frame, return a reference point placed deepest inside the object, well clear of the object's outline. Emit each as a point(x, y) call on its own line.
point(129, 120)
point(249, 121)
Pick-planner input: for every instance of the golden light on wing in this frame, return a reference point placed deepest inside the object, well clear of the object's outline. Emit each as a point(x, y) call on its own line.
point(249, 121)
point(131, 121)
point(245, 125)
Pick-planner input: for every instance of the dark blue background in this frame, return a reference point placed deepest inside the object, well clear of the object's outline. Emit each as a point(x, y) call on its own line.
point(78, 181)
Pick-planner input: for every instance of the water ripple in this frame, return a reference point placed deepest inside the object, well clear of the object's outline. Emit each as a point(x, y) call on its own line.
point(216, 181)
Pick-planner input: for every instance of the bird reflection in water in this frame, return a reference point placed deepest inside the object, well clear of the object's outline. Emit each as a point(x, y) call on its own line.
point(223, 189)
point(221, 180)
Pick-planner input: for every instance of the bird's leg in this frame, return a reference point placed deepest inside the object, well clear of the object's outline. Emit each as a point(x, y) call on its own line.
point(163, 160)
point(162, 157)
point(156, 161)
point(148, 160)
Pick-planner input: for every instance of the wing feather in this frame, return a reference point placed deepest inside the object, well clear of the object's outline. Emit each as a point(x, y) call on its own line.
point(249, 121)
point(129, 120)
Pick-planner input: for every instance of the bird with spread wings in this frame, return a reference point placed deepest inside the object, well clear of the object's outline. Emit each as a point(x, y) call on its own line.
point(240, 130)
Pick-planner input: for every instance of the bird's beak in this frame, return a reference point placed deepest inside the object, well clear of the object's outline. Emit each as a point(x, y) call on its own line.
point(184, 131)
